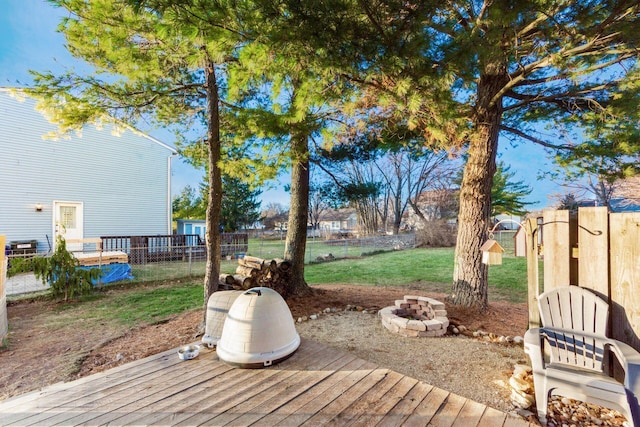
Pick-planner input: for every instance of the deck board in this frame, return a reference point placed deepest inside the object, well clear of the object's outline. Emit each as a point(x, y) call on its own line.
point(316, 386)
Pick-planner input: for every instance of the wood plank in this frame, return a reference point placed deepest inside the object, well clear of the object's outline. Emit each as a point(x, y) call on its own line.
point(429, 406)
point(215, 401)
point(557, 249)
point(533, 274)
point(347, 380)
point(37, 402)
point(625, 277)
point(259, 405)
point(378, 378)
point(492, 418)
point(373, 400)
point(593, 245)
point(108, 377)
point(353, 367)
point(87, 399)
point(448, 412)
point(317, 385)
point(151, 408)
point(305, 383)
point(105, 410)
point(399, 413)
point(470, 414)
point(253, 381)
point(381, 405)
point(512, 421)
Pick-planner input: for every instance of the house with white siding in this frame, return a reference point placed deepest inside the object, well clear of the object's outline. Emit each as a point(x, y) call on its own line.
point(97, 183)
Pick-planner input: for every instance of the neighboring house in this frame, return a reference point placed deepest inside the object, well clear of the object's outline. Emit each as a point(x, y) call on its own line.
point(89, 185)
point(338, 221)
point(434, 205)
point(625, 205)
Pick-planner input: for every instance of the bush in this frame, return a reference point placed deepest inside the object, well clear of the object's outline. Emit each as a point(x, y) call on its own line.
point(436, 234)
point(60, 270)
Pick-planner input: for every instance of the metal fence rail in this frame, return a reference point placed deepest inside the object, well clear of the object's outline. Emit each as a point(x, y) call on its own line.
point(191, 262)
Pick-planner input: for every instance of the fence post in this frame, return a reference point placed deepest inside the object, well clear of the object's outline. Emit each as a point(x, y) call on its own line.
point(593, 249)
point(533, 280)
point(557, 249)
point(625, 276)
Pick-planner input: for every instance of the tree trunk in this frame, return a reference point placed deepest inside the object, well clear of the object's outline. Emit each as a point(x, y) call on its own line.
point(470, 274)
point(298, 214)
point(212, 236)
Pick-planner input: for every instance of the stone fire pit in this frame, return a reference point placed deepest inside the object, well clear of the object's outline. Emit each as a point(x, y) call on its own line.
point(416, 316)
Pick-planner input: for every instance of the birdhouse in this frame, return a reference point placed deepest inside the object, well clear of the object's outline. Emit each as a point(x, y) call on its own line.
point(491, 252)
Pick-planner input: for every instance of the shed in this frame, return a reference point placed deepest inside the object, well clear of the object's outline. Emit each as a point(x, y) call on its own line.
point(192, 226)
point(520, 242)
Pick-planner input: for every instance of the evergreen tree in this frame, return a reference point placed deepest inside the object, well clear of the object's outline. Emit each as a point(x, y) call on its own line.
point(240, 205)
point(160, 62)
point(188, 205)
point(507, 196)
point(466, 72)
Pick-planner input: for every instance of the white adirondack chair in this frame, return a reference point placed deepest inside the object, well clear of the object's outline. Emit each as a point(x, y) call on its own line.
point(574, 323)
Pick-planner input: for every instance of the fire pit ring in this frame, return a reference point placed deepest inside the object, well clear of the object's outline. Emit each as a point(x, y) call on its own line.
point(416, 316)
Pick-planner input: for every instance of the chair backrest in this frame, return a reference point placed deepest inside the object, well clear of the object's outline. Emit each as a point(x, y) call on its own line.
point(576, 311)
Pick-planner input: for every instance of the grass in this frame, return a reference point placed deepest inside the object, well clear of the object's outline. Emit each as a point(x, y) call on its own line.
point(432, 266)
point(130, 304)
point(135, 305)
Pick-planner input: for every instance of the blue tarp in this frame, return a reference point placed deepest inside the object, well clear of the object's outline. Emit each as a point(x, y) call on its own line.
point(111, 273)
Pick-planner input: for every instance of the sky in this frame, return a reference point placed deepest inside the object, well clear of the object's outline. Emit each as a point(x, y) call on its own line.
point(29, 41)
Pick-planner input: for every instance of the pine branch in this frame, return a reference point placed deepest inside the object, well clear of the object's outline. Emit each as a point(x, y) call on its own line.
point(535, 140)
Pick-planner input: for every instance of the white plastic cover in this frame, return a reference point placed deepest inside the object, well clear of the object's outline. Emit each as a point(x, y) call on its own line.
point(259, 330)
point(217, 309)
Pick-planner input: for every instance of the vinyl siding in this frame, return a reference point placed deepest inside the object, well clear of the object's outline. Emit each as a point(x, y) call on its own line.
point(122, 180)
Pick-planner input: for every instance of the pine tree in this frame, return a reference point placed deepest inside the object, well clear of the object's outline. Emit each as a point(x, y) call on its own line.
point(151, 61)
point(466, 72)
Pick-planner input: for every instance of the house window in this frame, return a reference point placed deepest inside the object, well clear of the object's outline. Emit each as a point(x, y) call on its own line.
point(68, 217)
point(335, 225)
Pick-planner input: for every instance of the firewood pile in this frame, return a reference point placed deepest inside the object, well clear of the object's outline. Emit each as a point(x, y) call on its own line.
point(253, 272)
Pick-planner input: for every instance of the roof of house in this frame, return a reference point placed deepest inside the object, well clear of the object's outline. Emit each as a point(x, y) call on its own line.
point(337, 214)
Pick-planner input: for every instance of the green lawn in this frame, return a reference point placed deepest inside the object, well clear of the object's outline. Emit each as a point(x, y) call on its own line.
point(429, 266)
point(166, 294)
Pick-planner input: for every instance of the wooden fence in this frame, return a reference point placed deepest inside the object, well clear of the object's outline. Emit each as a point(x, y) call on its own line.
point(596, 250)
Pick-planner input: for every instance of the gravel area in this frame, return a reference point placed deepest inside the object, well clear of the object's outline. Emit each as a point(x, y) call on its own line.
point(472, 368)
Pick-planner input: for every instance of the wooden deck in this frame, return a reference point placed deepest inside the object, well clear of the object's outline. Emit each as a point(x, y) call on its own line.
point(316, 386)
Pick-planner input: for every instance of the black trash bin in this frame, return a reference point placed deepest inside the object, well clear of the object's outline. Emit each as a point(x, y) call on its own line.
point(24, 247)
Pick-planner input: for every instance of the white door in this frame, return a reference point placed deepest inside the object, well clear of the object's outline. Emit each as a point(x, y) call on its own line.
point(67, 222)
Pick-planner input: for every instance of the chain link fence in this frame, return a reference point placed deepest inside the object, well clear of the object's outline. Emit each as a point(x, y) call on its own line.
point(190, 261)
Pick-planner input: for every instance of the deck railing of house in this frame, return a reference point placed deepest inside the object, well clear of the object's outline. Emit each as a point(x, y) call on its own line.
point(172, 247)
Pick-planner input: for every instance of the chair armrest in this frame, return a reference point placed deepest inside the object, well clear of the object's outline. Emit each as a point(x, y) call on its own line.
point(533, 347)
point(629, 358)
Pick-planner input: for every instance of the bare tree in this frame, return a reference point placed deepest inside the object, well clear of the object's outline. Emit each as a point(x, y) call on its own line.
point(407, 174)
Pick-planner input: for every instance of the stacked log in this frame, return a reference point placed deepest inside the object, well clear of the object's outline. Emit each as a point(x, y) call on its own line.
point(252, 272)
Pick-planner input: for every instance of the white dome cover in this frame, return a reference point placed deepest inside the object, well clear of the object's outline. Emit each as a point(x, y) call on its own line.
point(258, 331)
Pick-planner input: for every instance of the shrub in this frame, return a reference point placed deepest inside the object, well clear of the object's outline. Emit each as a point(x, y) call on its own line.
point(60, 270)
point(436, 234)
